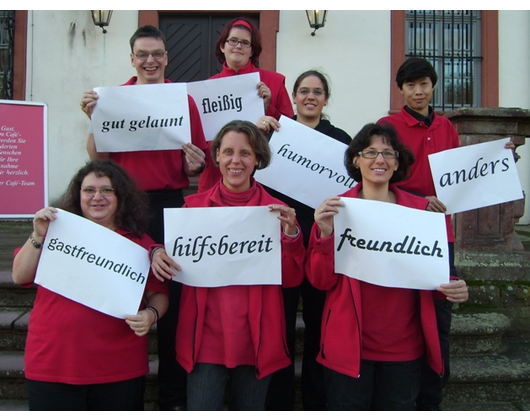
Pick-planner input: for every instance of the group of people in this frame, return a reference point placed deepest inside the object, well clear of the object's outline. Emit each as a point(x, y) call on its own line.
point(366, 347)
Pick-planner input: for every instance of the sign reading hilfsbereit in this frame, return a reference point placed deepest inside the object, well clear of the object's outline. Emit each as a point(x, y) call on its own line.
point(475, 176)
point(93, 266)
point(403, 247)
point(224, 246)
point(306, 165)
point(141, 117)
point(229, 98)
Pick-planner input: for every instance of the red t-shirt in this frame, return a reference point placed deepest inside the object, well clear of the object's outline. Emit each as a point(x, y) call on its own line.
point(161, 169)
point(71, 343)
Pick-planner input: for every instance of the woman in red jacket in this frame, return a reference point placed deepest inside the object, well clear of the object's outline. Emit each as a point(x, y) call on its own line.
point(238, 49)
point(249, 343)
point(373, 337)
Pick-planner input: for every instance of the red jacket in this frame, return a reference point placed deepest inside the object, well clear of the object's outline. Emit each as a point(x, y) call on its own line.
point(422, 140)
point(266, 313)
point(341, 338)
point(279, 105)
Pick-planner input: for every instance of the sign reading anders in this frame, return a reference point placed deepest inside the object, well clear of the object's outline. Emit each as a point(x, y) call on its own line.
point(400, 247)
point(224, 246)
point(476, 176)
point(92, 265)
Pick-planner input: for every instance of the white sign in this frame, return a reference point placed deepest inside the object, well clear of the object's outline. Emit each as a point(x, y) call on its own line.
point(223, 246)
point(141, 117)
point(391, 245)
point(476, 176)
point(225, 99)
point(92, 265)
point(306, 165)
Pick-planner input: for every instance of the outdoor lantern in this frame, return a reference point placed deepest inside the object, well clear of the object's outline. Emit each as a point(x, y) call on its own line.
point(316, 18)
point(101, 18)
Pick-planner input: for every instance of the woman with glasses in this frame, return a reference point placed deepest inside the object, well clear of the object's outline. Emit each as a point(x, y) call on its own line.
point(373, 337)
point(77, 358)
point(238, 49)
point(311, 93)
point(235, 331)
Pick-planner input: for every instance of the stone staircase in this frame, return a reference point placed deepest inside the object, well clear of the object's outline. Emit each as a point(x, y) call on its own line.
point(490, 364)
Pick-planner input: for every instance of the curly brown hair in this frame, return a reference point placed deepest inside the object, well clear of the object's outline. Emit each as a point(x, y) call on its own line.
point(132, 213)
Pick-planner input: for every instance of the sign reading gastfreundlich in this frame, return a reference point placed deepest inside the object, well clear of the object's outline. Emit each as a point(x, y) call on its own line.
point(92, 265)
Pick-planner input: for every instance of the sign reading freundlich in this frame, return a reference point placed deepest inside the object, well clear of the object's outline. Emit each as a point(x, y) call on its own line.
point(93, 266)
point(141, 117)
point(403, 247)
point(306, 165)
point(224, 246)
point(23, 137)
point(229, 98)
point(475, 176)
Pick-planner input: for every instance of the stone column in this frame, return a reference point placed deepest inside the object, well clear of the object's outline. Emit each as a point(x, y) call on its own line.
point(490, 227)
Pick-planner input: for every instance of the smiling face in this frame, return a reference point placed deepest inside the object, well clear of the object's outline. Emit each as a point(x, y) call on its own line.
point(237, 161)
point(99, 208)
point(378, 170)
point(310, 98)
point(418, 94)
point(150, 70)
point(237, 56)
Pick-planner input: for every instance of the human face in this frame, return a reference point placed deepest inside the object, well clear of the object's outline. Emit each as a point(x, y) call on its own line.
point(378, 170)
point(309, 105)
point(151, 70)
point(99, 208)
point(238, 56)
point(237, 161)
point(418, 94)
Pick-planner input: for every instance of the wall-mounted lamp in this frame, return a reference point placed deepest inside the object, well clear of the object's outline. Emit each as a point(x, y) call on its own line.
point(316, 18)
point(101, 18)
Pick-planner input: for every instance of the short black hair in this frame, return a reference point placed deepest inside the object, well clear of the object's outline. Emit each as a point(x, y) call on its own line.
point(147, 31)
point(413, 69)
point(363, 139)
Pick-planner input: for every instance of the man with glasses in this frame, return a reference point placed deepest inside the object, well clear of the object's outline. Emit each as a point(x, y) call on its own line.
point(163, 174)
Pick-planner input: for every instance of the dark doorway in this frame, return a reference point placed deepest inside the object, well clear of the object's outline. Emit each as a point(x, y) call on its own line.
point(191, 43)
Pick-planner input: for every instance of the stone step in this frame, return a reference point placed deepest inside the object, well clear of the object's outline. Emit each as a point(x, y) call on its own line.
point(503, 376)
point(14, 296)
point(479, 333)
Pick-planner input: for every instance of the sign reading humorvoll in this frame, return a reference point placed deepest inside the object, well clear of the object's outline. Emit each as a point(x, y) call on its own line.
point(93, 266)
point(306, 165)
point(141, 117)
point(475, 176)
point(403, 247)
point(223, 246)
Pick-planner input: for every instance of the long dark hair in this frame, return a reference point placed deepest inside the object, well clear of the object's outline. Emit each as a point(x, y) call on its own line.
point(132, 213)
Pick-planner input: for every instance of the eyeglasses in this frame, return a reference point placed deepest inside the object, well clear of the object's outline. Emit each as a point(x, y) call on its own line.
point(234, 41)
point(306, 91)
point(144, 55)
point(92, 191)
point(372, 154)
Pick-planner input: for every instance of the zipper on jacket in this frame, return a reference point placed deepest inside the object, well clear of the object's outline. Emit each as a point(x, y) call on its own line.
point(322, 344)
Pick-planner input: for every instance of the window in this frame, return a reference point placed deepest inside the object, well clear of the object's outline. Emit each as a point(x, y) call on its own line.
point(451, 41)
point(7, 26)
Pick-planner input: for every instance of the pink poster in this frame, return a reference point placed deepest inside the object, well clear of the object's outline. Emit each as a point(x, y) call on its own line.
point(23, 181)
